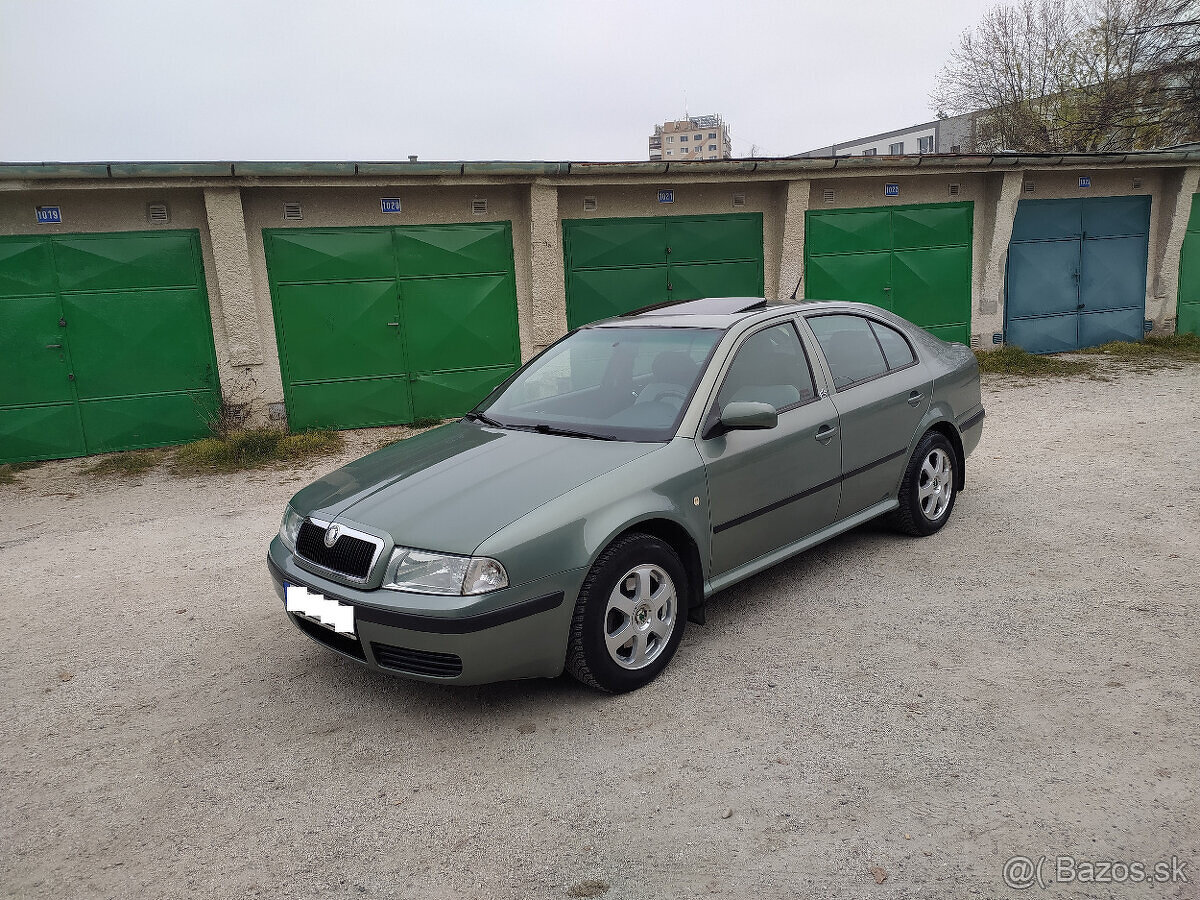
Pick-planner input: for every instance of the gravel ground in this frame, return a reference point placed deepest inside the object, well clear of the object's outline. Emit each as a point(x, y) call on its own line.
point(1023, 682)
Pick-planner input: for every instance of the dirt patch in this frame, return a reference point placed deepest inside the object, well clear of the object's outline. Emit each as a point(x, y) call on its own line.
point(1023, 682)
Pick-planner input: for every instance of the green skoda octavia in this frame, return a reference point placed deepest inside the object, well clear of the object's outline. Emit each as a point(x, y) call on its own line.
point(583, 513)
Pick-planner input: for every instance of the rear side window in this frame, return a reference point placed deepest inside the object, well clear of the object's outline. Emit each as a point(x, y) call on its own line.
point(850, 348)
point(895, 347)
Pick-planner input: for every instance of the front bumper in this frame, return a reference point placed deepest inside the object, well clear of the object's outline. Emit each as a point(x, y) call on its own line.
point(517, 632)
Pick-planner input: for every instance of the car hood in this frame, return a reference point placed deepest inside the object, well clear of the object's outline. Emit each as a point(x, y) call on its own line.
point(452, 488)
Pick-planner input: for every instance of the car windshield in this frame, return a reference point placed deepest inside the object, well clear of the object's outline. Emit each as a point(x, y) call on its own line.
point(629, 384)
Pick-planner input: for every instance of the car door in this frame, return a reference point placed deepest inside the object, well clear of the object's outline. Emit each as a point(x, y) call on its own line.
point(881, 392)
point(770, 487)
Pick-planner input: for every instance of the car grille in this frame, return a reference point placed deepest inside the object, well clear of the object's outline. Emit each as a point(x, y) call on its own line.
point(344, 643)
point(417, 662)
point(349, 555)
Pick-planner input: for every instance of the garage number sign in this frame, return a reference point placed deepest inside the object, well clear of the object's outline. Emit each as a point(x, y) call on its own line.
point(666, 196)
point(389, 204)
point(891, 190)
point(49, 215)
point(1085, 180)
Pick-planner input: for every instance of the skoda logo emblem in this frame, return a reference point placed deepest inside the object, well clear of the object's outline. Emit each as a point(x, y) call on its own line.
point(332, 534)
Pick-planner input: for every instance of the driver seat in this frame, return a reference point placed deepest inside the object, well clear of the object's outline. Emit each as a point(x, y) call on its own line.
point(673, 372)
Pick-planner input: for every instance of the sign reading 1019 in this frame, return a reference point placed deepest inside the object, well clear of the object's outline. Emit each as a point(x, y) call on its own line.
point(389, 204)
point(49, 215)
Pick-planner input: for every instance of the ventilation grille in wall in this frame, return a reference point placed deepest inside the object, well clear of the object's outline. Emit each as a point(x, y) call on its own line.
point(1028, 186)
point(292, 211)
point(589, 204)
point(479, 207)
point(1137, 182)
point(739, 199)
point(157, 214)
point(828, 196)
point(976, 341)
point(954, 190)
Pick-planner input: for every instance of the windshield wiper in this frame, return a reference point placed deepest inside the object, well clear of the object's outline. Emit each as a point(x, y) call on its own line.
point(542, 428)
point(480, 417)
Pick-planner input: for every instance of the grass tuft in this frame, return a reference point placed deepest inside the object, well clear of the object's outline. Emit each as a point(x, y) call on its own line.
point(1184, 347)
point(1015, 361)
point(253, 448)
point(8, 471)
point(125, 465)
point(425, 422)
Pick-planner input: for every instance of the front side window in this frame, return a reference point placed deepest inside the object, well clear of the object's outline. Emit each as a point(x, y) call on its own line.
point(628, 383)
point(850, 348)
point(770, 367)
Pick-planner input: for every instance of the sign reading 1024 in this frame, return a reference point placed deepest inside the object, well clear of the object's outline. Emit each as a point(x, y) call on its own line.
point(49, 215)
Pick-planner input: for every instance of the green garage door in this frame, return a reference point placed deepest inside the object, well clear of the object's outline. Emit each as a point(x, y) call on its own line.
point(1188, 320)
point(381, 326)
point(912, 260)
point(614, 266)
point(105, 343)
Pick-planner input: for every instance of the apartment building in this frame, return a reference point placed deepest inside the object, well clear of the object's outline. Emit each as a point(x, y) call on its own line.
point(696, 137)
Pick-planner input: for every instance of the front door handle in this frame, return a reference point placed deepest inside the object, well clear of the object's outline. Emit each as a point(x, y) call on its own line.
point(825, 433)
point(914, 398)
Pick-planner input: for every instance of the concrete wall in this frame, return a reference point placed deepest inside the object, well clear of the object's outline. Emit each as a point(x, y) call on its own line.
point(231, 213)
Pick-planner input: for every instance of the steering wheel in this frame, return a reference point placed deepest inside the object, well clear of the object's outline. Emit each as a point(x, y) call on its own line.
point(669, 393)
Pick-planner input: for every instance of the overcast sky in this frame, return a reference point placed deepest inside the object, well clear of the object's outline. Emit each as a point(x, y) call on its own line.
point(527, 79)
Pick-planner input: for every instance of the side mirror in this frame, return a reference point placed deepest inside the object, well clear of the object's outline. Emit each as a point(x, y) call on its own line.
point(747, 414)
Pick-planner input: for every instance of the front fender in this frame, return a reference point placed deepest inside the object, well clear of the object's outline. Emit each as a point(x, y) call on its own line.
point(572, 530)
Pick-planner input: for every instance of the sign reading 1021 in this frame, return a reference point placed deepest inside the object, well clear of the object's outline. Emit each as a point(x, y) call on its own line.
point(49, 215)
point(389, 204)
point(666, 196)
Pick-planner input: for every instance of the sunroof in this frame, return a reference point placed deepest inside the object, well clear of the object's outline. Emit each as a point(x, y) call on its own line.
point(709, 306)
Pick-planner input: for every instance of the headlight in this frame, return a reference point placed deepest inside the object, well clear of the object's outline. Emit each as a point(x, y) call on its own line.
point(289, 528)
point(423, 572)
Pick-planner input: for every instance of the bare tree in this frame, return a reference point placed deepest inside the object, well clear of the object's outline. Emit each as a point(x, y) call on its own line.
point(1087, 75)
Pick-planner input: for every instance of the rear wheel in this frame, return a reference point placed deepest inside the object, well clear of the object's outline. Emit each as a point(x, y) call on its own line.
point(929, 488)
point(630, 615)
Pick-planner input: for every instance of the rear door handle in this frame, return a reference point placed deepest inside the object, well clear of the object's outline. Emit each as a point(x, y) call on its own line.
point(825, 433)
point(914, 398)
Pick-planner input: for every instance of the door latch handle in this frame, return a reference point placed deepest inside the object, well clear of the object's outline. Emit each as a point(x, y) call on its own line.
point(54, 346)
point(393, 324)
point(1079, 306)
point(914, 398)
point(825, 433)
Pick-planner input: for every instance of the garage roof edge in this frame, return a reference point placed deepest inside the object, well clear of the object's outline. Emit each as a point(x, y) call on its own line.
point(542, 169)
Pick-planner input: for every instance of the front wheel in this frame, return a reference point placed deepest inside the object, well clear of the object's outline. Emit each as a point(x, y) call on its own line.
point(929, 488)
point(630, 615)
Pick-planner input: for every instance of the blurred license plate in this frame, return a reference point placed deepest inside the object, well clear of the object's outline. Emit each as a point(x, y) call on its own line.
point(325, 611)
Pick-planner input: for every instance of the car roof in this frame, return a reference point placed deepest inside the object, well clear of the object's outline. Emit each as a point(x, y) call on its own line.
point(712, 312)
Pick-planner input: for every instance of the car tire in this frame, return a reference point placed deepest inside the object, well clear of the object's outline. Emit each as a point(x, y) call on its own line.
point(637, 589)
point(929, 488)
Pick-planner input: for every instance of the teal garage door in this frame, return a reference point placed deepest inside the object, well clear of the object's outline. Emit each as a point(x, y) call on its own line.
point(105, 343)
point(1077, 273)
point(1188, 320)
point(913, 260)
point(381, 326)
point(614, 266)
